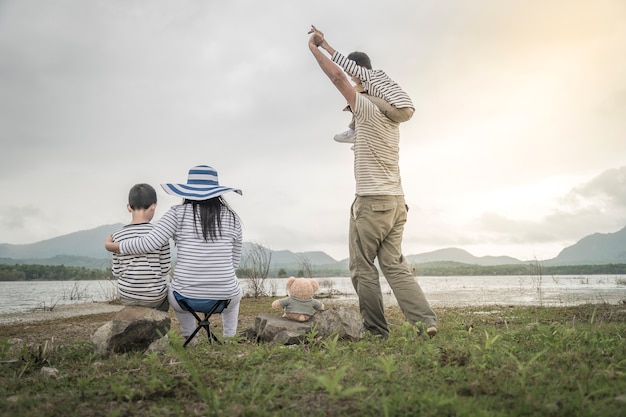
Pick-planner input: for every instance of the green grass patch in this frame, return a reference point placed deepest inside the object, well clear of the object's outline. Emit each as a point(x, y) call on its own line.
point(485, 361)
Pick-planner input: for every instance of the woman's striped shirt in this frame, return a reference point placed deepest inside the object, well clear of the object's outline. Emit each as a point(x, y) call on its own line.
point(204, 269)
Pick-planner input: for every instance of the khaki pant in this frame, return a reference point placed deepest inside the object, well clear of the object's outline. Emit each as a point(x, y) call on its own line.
point(376, 229)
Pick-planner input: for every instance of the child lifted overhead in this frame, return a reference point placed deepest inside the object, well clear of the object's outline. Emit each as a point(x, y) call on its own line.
point(376, 85)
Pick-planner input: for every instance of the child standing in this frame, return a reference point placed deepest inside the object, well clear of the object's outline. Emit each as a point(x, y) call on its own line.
point(141, 279)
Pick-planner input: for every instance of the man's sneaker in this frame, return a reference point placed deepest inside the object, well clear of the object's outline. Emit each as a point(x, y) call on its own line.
point(345, 137)
point(431, 331)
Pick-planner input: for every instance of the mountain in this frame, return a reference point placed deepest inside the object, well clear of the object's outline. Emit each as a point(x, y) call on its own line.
point(86, 248)
point(282, 257)
point(462, 256)
point(87, 243)
point(595, 249)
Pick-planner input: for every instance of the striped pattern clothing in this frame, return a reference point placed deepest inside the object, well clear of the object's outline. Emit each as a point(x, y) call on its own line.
point(141, 277)
point(376, 151)
point(204, 269)
point(375, 82)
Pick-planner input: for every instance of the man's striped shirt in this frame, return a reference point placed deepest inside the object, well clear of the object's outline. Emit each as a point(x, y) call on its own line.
point(376, 151)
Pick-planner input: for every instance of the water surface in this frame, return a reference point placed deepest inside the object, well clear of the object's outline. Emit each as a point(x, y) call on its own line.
point(453, 291)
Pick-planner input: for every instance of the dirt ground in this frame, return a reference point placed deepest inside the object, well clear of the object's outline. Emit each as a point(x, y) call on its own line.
point(59, 312)
point(62, 329)
point(77, 323)
point(67, 324)
point(70, 323)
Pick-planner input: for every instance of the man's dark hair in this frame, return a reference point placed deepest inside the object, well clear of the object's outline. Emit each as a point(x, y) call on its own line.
point(361, 59)
point(141, 196)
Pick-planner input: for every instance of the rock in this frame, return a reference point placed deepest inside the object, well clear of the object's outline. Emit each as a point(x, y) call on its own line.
point(340, 320)
point(15, 347)
point(272, 328)
point(50, 372)
point(131, 329)
point(159, 346)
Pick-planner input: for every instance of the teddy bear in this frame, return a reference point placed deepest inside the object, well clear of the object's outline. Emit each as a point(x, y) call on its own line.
point(300, 304)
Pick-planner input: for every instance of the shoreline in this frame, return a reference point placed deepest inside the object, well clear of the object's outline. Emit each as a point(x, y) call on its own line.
point(59, 312)
point(65, 311)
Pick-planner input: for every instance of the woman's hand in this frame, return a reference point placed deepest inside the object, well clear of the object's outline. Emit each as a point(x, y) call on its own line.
point(110, 245)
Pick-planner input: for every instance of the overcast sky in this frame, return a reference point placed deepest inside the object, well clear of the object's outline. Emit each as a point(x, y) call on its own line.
point(517, 146)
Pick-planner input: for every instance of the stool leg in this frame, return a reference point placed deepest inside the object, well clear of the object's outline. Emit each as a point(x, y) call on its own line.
point(190, 338)
point(207, 326)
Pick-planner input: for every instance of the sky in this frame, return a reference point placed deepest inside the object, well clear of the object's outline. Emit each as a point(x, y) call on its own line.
point(517, 146)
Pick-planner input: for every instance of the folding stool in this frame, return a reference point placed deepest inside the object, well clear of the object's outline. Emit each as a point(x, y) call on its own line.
point(208, 307)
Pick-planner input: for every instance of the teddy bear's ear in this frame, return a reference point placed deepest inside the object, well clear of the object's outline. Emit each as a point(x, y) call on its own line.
point(315, 285)
point(290, 281)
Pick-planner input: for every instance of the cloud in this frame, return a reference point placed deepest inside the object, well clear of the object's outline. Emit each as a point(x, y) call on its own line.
point(16, 217)
point(518, 106)
point(608, 189)
point(594, 206)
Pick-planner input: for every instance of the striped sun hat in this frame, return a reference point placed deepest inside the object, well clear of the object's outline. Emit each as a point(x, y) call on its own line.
point(202, 184)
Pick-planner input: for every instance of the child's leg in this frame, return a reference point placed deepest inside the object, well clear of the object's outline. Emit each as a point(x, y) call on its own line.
point(352, 123)
point(348, 135)
point(400, 115)
point(161, 305)
point(393, 113)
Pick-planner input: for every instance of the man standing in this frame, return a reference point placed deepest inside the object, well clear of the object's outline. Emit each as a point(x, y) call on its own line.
point(379, 212)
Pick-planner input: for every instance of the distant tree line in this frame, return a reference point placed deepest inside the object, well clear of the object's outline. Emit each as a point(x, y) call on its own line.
point(309, 271)
point(533, 268)
point(19, 272)
point(66, 260)
point(454, 268)
point(608, 269)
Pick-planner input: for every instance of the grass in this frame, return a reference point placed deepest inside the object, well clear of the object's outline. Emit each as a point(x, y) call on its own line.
point(485, 361)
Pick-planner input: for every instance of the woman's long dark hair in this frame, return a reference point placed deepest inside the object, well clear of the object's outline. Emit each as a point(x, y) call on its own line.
point(210, 212)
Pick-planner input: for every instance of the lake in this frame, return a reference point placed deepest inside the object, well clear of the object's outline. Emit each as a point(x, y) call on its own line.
point(453, 291)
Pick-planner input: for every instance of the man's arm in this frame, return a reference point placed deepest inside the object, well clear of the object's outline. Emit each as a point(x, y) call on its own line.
point(332, 71)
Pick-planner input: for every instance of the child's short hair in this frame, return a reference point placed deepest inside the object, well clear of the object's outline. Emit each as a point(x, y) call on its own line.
point(141, 197)
point(361, 59)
